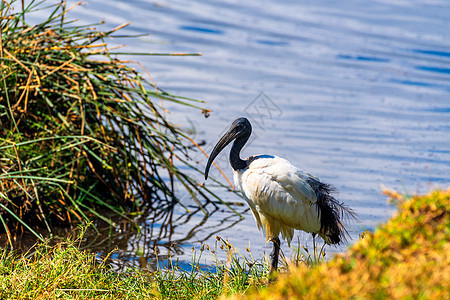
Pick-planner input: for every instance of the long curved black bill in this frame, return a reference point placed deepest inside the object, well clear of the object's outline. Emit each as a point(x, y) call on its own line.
point(227, 138)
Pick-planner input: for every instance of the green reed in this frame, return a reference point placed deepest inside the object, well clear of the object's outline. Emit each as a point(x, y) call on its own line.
point(81, 131)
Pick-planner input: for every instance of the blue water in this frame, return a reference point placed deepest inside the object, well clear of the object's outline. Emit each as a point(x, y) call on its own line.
point(357, 93)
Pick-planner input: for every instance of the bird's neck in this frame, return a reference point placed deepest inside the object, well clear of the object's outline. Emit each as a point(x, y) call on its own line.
point(236, 162)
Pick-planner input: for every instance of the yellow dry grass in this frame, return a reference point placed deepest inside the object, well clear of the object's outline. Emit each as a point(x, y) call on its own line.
point(407, 258)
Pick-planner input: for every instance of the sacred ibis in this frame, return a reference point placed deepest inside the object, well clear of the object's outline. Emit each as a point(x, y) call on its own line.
point(282, 197)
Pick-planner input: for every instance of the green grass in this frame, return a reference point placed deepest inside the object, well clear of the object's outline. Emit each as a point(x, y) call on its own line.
point(405, 258)
point(66, 272)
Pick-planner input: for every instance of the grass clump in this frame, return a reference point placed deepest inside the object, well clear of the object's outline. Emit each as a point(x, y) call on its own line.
point(80, 130)
point(405, 258)
point(65, 272)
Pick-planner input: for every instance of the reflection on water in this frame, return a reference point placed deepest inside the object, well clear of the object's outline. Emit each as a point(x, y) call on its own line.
point(362, 91)
point(152, 238)
point(136, 244)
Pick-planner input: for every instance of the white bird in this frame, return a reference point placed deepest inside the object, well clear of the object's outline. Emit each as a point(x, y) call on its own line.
point(282, 197)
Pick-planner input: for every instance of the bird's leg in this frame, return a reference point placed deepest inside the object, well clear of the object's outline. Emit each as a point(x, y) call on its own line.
point(274, 255)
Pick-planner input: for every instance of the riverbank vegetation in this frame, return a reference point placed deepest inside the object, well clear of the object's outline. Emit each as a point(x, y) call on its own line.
point(405, 258)
point(81, 132)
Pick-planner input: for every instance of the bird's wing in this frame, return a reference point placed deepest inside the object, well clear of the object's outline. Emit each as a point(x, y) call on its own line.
point(276, 170)
point(280, 197)
point(277, 187)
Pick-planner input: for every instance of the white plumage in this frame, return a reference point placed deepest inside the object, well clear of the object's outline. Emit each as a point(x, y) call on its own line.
point(282, 197)
point(279, 196)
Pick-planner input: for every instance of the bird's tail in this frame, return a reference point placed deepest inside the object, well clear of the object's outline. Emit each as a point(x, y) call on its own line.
point(332, 213)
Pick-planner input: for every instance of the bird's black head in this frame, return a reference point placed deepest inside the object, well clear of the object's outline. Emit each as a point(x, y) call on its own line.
point(240, 131)
point(241, 125)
